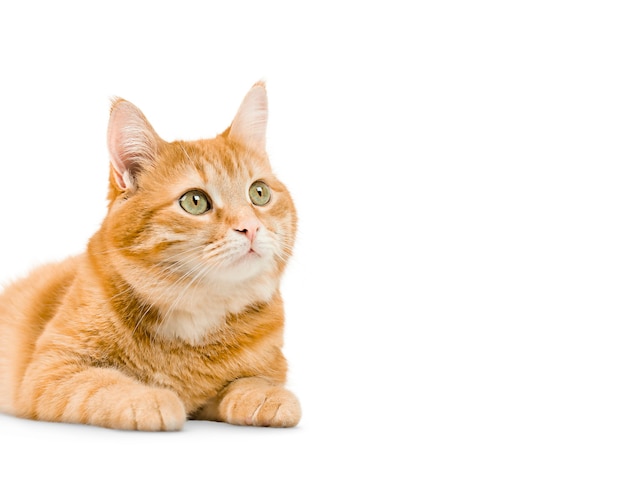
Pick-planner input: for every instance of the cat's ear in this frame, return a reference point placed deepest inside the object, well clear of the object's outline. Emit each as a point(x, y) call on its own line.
point(132, 143)
point(250, 123)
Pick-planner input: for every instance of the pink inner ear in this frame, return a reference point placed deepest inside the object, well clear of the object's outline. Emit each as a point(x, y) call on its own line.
point(132, 143)
point(117, 164)
point(118, 177)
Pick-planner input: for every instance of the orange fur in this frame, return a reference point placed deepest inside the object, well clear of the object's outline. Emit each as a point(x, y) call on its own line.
point(168, 315)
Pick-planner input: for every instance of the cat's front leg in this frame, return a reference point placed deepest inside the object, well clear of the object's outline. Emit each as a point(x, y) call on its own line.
point(255, 402)
point(100, 396)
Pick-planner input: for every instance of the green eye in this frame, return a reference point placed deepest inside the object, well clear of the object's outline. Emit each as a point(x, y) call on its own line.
point(260, 193)
point(195, 202)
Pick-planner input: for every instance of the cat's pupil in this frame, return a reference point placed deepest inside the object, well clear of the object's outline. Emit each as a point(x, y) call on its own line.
point(196, 199)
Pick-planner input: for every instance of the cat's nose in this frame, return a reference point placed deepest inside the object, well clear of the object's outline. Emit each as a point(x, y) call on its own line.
point(248, 227)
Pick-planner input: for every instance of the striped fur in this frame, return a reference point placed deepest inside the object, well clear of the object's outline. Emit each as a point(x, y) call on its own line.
point(167, 315)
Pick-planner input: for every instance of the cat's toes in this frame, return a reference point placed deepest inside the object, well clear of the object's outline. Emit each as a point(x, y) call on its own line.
point(154, 410)
point(274, 406)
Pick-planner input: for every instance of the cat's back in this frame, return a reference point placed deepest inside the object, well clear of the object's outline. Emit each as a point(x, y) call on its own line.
point(26, 306)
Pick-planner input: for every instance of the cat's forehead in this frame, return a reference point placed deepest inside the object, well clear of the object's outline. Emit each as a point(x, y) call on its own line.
point(223, 170)
point(221, 158)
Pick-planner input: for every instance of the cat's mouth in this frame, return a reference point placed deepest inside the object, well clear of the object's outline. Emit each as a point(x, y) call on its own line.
point(251, 254)
point(247, 256)
point(245, 264)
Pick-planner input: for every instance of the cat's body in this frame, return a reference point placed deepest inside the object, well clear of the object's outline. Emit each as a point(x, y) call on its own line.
point(174, 311)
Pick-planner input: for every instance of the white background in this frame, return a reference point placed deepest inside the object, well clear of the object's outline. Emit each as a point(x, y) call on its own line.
point(455, 306)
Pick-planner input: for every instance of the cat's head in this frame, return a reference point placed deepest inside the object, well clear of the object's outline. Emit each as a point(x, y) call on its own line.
point(188, 212)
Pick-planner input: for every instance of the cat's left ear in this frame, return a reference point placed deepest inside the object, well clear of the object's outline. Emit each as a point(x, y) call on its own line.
point(250, 123)
point(132, 144)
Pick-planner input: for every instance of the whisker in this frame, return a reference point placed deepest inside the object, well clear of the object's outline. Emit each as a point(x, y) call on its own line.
point(177, 273)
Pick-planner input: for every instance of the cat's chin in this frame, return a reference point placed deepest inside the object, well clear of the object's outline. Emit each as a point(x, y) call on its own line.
point(227, 290)
point(243, 267)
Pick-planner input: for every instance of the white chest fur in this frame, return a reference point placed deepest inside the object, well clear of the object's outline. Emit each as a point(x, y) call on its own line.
point(202, 310)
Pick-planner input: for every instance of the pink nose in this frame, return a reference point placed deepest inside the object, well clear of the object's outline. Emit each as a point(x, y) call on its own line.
point(249, 227)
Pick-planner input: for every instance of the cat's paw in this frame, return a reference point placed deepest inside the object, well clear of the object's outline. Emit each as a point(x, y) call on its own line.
point(159, 410)
point(260, 405)
point(143, 409)
point(151, 410)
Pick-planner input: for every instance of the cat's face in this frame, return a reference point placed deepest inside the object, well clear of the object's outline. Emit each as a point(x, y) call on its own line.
point(189, 213)
point(209, 209)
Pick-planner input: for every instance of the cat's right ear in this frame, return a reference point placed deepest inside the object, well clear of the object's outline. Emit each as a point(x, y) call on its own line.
point(250, 123)
point(132, 144)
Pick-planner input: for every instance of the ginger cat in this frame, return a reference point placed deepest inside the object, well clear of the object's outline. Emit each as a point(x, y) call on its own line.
point(174, 311)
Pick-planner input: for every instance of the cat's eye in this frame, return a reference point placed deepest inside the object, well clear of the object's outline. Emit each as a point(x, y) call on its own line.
point(260, 193)
point(195, 202)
